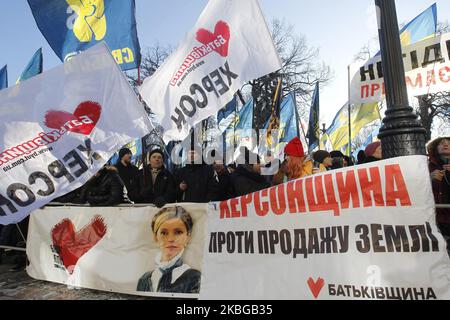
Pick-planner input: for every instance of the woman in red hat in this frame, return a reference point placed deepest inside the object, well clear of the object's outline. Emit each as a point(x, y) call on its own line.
point(295, 166)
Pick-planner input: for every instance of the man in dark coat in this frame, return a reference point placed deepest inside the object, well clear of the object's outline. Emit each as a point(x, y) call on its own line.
point(105, 188)
point(129, 173)
point(197, 182)
point(157, 184)
point(247, 177)
point(224, 177)
point(77, 196)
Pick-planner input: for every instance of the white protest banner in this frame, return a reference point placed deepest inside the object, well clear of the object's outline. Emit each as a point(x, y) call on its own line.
point(60, 127)
point(115, 249)
point(364, 232)
point(427, 70)
point(229, 45)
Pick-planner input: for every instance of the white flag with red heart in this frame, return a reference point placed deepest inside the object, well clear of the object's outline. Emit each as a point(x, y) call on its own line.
point(229, 45)
point(59, 128)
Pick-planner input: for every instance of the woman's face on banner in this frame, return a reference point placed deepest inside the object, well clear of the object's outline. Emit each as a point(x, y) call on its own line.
point(172, 237)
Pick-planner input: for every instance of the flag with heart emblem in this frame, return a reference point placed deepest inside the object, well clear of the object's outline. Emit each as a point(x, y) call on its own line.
point(60, 127)
point(229, 45)
point(72, 26)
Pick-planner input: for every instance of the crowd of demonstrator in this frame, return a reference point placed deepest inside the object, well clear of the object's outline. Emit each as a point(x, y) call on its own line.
point(199, 182)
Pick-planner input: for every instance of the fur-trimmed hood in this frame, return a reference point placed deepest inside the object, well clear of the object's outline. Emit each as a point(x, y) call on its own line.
point(432, 150)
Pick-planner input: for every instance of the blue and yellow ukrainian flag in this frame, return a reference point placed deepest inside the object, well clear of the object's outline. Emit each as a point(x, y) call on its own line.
point(241, 133)
point(227, 116)
point(288, 118)
point(33, 68)
point(4, 78)
point(337, 134)
point(72, 26)
point(421, 27)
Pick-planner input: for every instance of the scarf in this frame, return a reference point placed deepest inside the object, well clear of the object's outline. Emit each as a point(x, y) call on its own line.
point(166, 269)
point(154, 173)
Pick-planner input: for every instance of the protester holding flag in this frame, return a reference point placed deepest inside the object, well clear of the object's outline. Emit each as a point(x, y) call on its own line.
point(129, 173)
point(439, 167)
point(156, 182)
point(196, 182)
point(224, 178)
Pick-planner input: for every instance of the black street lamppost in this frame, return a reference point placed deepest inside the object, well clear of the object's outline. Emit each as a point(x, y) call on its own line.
point(401, 133)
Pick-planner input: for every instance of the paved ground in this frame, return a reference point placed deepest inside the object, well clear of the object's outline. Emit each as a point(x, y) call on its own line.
point(19, 286)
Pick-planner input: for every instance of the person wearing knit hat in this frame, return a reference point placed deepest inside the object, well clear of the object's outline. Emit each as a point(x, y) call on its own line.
point(295, 165)
point(323, 157)
point(123, 152)
point(129, 173)
point(373, 152)
point(157, 150)
point(294, 148)
point(336, 154)
point(156, 182)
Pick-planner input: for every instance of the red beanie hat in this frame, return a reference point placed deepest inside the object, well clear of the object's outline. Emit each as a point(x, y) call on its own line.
point(294, 148)
point(370, 149)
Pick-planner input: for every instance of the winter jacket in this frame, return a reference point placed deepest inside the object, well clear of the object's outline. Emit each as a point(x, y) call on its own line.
point(246, 181)
point(162, 191)
point(202, 182)
point(370, 159)
point(308, 166)
point(225, 185)
point(77, 196)
point(130, 177)
point(441, 190)
point(106, 189)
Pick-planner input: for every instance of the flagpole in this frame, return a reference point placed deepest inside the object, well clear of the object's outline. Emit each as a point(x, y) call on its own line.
point(297, 118)
point(303, 131)
point(349, 116)
point(234, 126)
point(142, 139)
point(274, 122)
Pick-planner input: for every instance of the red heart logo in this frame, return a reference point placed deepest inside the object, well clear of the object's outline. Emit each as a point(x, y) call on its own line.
point(57, 119)
point(222, 29)
point(316, 286)
point(72, 245)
